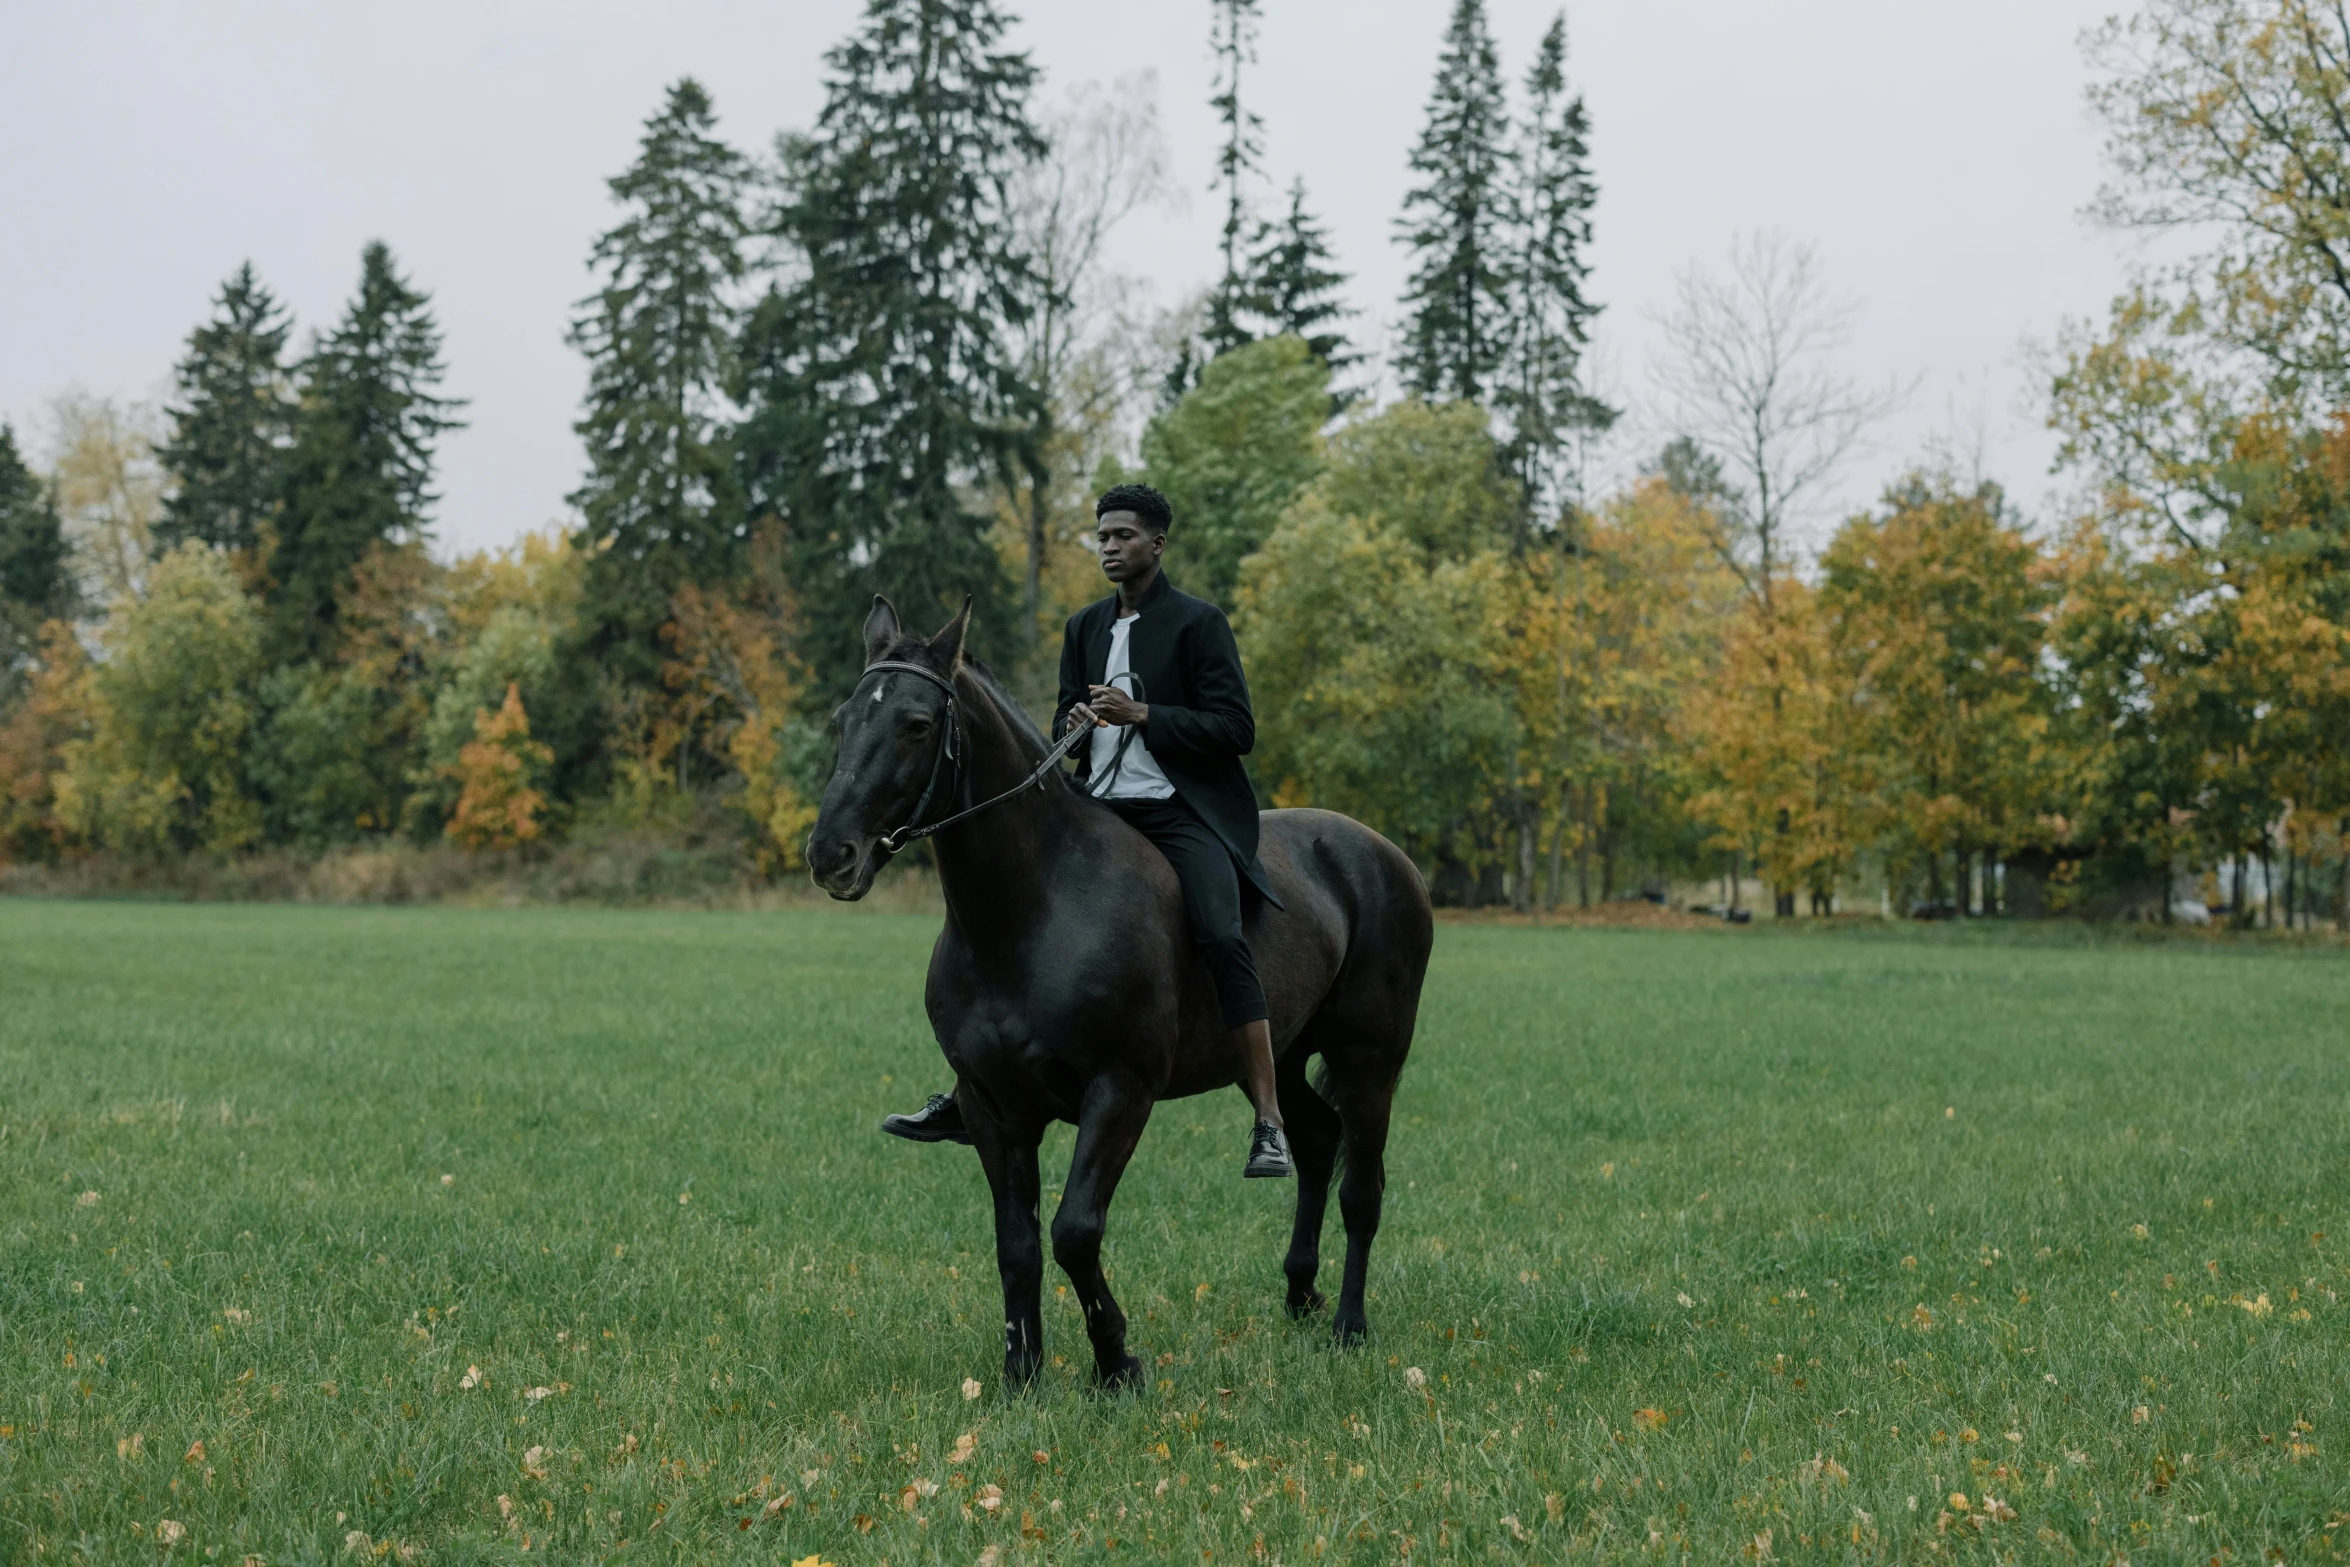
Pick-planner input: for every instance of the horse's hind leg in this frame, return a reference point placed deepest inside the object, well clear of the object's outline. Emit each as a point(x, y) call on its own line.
point(1313, 1142)
point(1108, 1128)
point(1362, 1190)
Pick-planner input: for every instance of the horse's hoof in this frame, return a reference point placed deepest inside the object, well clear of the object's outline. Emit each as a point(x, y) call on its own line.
point(1304, 1303)
point(1348, 1331)
point(1125, 1377)
point(1018, 1375)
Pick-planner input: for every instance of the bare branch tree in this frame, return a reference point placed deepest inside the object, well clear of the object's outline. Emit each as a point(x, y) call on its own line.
point(1108, 162)
point(1750, 375)
point(109, 488)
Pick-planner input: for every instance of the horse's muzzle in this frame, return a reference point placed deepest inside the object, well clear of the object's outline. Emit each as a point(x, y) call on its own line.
point(844, 867)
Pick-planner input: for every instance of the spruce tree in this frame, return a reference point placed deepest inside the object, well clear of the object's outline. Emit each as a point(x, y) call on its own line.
point(1540, 389)
point(36, 574)
point(661, 504)
point(360, 470)
point(231, 424)
point(883, 389)
point(1293, 283)
point(1456, 300)
point(1235, 47)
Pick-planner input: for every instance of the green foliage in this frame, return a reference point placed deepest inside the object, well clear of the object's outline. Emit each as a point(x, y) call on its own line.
point(268, 1099)
point(1454, 222)
point(316, 757)
point(1380, 679)
point(359, 474)
point(662, 506)
point(1233, 453)
point(231, 425)
point(882, 387)
point(1430, 472)
point(171, 705)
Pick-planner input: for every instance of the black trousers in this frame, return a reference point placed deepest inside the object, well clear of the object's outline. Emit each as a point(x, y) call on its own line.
point(1211, 898)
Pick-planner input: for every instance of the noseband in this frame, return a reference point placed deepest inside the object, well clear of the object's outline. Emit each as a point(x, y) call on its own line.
point(950, 757)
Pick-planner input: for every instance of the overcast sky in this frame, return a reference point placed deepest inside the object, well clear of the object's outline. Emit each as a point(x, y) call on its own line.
point(1936, 155)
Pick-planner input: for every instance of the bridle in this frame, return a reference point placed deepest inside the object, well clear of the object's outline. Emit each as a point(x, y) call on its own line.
point(950, 756)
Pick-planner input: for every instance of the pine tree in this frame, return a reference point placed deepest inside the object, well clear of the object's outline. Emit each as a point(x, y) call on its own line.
point(360, 469)
point(1457, 296)
point(232, 423)
point(1293, 281)
point(36, 577)
point(661, 503)
point(1235, 47)
point(1540, 389)
point(882, 386)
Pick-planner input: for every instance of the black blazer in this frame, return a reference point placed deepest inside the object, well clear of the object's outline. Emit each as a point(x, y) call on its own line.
point(1200, 724)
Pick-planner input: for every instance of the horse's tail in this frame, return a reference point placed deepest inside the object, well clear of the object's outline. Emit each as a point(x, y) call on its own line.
point(1322, 1084)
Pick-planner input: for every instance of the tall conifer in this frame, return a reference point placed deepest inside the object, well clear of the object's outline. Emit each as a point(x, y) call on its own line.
point(1293, 283)
point(36, 575)
point(360, 469)
point(1456, 300)
point(661, 502)
point(1244, 144)
point(882, 386)
point(1540, 387)
point(231, 424)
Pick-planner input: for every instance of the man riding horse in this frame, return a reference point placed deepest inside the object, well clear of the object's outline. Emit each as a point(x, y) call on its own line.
point(1157, 675)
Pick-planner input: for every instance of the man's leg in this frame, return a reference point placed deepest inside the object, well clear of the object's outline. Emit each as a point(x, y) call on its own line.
point(1211, 902)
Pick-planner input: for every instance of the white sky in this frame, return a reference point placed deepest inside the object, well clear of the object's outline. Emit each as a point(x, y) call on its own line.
point(1937, 155)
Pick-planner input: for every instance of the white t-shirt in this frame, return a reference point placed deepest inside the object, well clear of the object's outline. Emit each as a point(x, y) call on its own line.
point(1139, 776)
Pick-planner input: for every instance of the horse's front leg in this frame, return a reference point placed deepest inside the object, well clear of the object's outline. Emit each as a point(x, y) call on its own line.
point(1108, 1128)
point(1008, 1155)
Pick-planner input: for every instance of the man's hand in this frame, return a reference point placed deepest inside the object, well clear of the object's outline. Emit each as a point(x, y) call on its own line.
point(1111, 706)
point(1082, 717)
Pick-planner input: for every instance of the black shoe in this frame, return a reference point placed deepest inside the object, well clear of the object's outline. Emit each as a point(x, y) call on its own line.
point(939, 1121)
point(1268, 1154)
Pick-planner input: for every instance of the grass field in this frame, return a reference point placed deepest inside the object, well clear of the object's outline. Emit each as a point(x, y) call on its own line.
point(338, 1234)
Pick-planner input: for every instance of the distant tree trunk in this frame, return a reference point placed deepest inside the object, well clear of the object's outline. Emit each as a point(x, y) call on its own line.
point(2268, 879)
point(1040, 499)
point(1558, 847)
point(1734, 878)
point(1583, 853)
point(1522, 889)
point(1934, 897)
point(2342, 879)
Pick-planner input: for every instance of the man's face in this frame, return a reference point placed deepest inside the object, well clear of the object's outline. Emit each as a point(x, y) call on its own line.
point(1129, 548)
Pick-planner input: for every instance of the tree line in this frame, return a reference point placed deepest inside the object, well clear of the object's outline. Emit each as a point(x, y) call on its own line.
point(891, 354)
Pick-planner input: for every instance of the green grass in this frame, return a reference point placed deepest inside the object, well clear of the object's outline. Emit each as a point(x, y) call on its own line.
point(1856, 1221)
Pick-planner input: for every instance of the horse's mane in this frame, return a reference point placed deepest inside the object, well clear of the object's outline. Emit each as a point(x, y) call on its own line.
point(1014, 713)
point(1005, 703)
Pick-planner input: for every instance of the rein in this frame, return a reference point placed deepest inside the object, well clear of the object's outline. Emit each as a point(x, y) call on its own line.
point(950, 754)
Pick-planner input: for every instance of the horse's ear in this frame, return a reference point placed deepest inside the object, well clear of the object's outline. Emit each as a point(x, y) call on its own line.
point(881, 628)
point(947, 646)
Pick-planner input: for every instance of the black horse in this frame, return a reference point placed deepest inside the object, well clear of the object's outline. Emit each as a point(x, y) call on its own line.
point(1065, 986)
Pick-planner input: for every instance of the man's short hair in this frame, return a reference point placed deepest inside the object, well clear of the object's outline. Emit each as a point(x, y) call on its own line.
point(1146, 503)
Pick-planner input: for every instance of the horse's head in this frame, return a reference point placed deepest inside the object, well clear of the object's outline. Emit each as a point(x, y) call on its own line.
point(892, 729)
